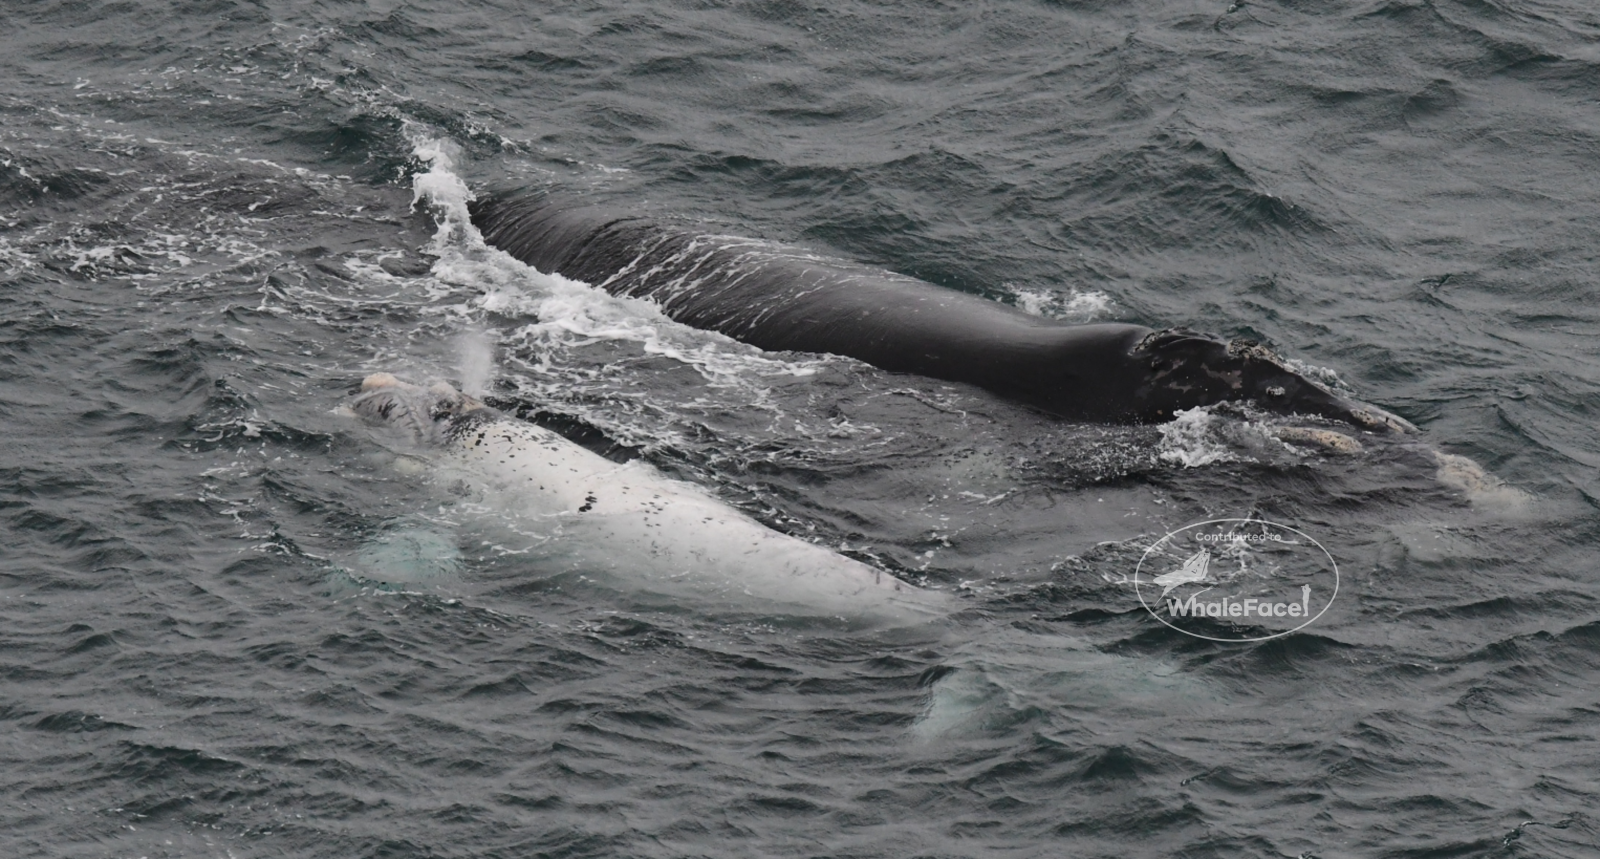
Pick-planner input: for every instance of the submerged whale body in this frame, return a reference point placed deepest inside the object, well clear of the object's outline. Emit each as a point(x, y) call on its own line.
point(782, 299)
point(666, 535)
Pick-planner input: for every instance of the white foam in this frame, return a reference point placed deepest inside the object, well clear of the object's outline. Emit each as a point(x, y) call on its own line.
point(13, 259)
point(568, 313)
point(1190, 440)
point(444, 192)
point(1076, 306)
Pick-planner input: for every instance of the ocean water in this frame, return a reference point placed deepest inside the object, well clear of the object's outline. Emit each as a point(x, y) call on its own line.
point(233, 623)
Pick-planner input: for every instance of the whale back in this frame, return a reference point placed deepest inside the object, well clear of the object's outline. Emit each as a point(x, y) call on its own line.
point(784, 299)
point(781, 298)
point(552, 236)
point(632, 521)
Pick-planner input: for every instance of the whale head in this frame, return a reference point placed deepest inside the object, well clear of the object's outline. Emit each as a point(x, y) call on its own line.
point(1186, 369)
point(429, 414)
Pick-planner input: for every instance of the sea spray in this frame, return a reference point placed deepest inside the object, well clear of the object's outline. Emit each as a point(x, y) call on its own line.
point(444, 192)
point(475, 362)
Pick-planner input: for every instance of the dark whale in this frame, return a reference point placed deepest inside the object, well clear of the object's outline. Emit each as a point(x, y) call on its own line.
point(780, 298)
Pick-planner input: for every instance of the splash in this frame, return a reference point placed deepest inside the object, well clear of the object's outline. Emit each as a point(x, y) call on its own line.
point(444, 192)
point(1188, 440)
point(1075, 307)
point(566, 314)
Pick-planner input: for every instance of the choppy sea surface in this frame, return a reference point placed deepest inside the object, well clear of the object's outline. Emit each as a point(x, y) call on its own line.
point(234, 624)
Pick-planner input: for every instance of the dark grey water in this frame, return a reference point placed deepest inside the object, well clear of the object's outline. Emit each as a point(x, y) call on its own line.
point(232, 624)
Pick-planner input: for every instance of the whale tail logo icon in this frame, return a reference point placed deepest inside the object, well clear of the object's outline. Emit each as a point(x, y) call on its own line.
point(1195, 569)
